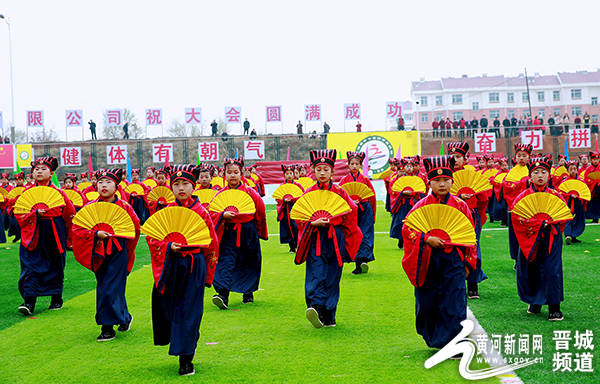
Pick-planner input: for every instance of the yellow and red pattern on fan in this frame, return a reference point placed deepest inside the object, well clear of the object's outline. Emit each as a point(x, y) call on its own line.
point(489, 173)
point(254, 177)
point(150, 182)
point(250, 183)
point(135, 189)
point(2, 198)
point(15, 192)
point(469, 182)
point(385, 174)
point(108, 217)
point(178, 225)
point(205, 195)
point(593, 176)
point(306, 182)
point(517, 173)
point(75, 197)
point(218, 181)
point(443, 221)
point(319, 204)
point(576, 187)
point(543, 206)
point(287, 191)
point(123, 184)
point(38, 198)
point(161, 194)
point(83, 185)
point(410, 184)
point(92, 195)
point(3, 192)
point(499, 179)
point(358, 191)
point(233, 200)
point(560, 171)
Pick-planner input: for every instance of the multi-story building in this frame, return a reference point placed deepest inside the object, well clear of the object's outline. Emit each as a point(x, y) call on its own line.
point(499, 96)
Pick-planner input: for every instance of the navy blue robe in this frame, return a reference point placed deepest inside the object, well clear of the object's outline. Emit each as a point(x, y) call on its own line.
point(593, 208)
point(477, 275)
point(513, 243)
point(177, 312)
point(575, 227)
point(2, 228)
point(137, 203)
point(43, 269)
point(13, 227)
point(500, 210)
point(111, 278)
point(367, 226)
point(288, 230)
point(238, 269)
point(404, 206)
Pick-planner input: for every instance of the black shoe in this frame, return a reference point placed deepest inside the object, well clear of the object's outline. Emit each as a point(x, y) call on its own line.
point(555, 316)
point(248, 298)
point(126, 327)
point(220, 301)
point(534, 309)
point(515, 266)
point(364, 267)
point(107, 335)
point(357, 271)
point(55, 306)
point(26, 309)
point(595, 221)
point(568, 240)
point(186, 369)
point(330, 325)
point(313, 316)
point(575, 240)
point(473, 294)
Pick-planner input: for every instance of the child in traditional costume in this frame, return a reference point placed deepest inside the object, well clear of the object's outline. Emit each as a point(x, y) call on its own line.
point(539, 262)
point(180, 274)
point(161, 175)
point(43, 244)
point(437, 269)
point(403, 201)
point(138, 202)
point(11, 222)
point(388, 182)
point(258, 180)
point(575, 227)
point(325, 244)
point(110, 257)
point(499, 207)
point(288, 230)
point(367, 208)
point(240, 256)
point(591, 177)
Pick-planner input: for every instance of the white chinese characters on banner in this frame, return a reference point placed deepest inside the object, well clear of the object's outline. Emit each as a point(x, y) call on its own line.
point(312, 112)
point(485, 142)
point(113, 118)
point(535, 138)
point(116, 154)
point(254, 149)
point(193, 116)
point(580, 138)
point(70, 156)
point(352, 111)
point(161, 152)
point(208, 151)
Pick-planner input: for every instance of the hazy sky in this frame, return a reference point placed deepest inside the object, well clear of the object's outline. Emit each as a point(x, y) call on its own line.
point(176, 54)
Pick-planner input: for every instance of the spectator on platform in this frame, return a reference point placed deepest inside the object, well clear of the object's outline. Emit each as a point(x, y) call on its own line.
point(594, 126)
point(93, 129)
point(313, 135)
point(506, 125)
point(537, 124)
point(326, 128)
point(6, 140)
point(126, 131)
point(246, 126)
point(474, 126)
point(455, 127)
point(253, 134)
point(577, 122)
point(462, 124)
point(224, 136)
point(483, 123)
point(299, 129)
point(400, 124)
point(565, 122)
point(496, 124)
point(586, 120)
point(358, 127)
point(434, 126)
point(213, 127)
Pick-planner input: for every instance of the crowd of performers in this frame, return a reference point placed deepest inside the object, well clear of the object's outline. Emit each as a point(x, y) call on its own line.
point(232, 260)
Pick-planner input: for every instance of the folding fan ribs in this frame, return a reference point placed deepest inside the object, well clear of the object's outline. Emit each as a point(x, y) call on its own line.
point(135, 189)
point(83, 185)
point(543, 206)
point(205, 195)
point(178, 225)
point(75, 197)
point(233, 200)
point(108, 217)
point(306, 182)
point(287, 190)
point(443, 221)
point(161, 194)
point(410, 184)
point(38, 198)
point(593, 175)
point(15, 192)
point(469, 182)
point(150, 182)
point(576, 187)
point(319, 204)
point(517, 173)
point(358, 191)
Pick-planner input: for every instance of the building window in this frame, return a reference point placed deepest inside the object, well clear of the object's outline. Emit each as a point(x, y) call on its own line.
point(456, 99)
point(494, 97)
point(439, 100)
point(556, 111)
point(575, 94)
point(576, 111)
point(424, 117)
point(476, 106)
point(594, 100)
point(407, 117)
point(494, 114)
point(525, 97)
point(439, 116)
point(541, 112)
point(510, 97)
point(457, 115)
point(595, 118)
point(540, 96)
point(424, 101)
point(555, 95)
point(510, 114)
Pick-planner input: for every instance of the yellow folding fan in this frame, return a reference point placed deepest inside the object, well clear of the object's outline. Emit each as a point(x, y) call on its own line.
point(108, 217)
point(409, 183)
point(593, 175)
point(15, 192)
point(517, 173)
point(560, 171)
point(469, 167)
point(92, 195)
point(287, 190)
point(178, 225)
point(123, 184)
point(250, 183)
point(2, 198)
point(499, 179)
point(470, 182)
point(306, 182)
point(83, 185)
point(319, 204)
point(358, 191)
point(162, 194)
point(205, 195)
point(75, 197)
point(38, 198)
point(150, 182)
point(443, 221)
point(233, 200)
point(135, 188)
point(254, 177)
point(490, 173)
point(218, 181)
point(3, 192)
point(576, 187)
point(543, 205)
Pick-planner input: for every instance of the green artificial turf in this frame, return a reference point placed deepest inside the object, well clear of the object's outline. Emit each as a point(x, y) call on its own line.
point(270, 341)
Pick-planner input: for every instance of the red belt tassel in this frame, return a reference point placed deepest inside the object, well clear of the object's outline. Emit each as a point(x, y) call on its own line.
point(60, 248)
point(335, 244)
point(238, 228)
point(318, 242)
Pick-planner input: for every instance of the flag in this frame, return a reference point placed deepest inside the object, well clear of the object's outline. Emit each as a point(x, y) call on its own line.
point(236, 153)
point(399, 152)
point(18, 168)
point(128, 169)
point(90, 165)
point(442, 149)
point(365, 169)
point(287, 158)
point(567, 148)
point(197, 158)
point(55, 180)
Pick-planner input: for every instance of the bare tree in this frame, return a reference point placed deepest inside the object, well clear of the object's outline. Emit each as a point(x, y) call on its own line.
point(135, 131)
point(178, 129)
